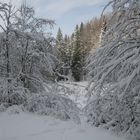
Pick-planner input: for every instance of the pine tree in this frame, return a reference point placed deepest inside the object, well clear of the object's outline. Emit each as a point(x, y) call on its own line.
point(84, 39)
point(83, 51)
point(62, 46)
point(59, 37)
point(60, 43)
point(77, 57)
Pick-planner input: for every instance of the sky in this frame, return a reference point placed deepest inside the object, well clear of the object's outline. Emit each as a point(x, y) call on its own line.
point(66, 13)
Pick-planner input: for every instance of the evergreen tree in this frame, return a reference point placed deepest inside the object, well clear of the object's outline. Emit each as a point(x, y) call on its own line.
point(59, 37)
point(62, 45)
point(59, 43)
point(77, 57)
point(83, 51)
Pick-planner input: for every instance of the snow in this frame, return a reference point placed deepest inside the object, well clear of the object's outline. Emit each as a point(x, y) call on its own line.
point(78, 92)
point(19, 125)
point(25, 126)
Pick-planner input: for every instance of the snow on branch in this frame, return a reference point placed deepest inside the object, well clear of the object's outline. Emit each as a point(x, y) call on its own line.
point(115, 71)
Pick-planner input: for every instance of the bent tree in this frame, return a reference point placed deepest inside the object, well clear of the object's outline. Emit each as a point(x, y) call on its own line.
point(115, 72)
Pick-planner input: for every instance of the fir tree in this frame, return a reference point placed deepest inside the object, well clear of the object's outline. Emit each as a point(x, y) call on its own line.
point(59, 37)
point(77, 57)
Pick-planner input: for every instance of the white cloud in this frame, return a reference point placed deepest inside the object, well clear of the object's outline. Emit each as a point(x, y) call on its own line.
point(56, 8)
point(62, 6)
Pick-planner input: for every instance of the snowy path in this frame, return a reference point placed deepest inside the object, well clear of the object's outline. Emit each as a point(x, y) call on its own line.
point(79, 92)
point(34, 127)
point(26, 126)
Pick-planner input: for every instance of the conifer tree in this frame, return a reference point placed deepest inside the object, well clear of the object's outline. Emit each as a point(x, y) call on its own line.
point(77, 57)
point(62, 46)
point(59, 37)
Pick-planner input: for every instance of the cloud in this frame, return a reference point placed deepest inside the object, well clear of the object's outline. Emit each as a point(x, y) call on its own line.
point(56, 8)
point(60, 7)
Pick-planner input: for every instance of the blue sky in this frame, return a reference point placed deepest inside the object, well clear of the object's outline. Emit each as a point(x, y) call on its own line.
point(66, 13)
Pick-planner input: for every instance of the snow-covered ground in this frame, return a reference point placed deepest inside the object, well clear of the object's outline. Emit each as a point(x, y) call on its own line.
point(78, 92)
point(25, 126)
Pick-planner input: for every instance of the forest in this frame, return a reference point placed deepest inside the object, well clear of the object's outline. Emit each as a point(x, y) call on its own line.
point(90, 78)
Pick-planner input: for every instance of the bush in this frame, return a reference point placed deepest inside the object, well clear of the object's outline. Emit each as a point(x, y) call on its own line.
point(15, 109)
point(15, 95)
point(53, 105)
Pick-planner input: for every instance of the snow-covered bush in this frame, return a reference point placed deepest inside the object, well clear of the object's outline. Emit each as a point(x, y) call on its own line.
point(52, 104)
point(3, 107)
point(115, 72)
point(15, 109)
point(16, 95)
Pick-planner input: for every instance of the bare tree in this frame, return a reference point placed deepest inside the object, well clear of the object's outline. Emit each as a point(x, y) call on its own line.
point(26, 50)
point(7, 12)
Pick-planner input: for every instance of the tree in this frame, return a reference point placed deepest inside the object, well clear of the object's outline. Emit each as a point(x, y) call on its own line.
point(77, 57)
point(87, 38)
point(115, 72)
point(28, 62)
point(35, 47)
point(61, 46)
point(104, 19)
point(7, 13)
point(59, 37)
point(25, 52)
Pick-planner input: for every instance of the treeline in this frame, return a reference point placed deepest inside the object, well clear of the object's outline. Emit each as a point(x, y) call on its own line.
point(74, 49)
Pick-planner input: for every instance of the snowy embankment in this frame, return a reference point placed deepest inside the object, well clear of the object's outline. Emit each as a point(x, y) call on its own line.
point(25, 126)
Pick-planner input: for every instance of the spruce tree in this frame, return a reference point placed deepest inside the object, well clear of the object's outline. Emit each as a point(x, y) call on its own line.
point(77, 57)
point(62, 45)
